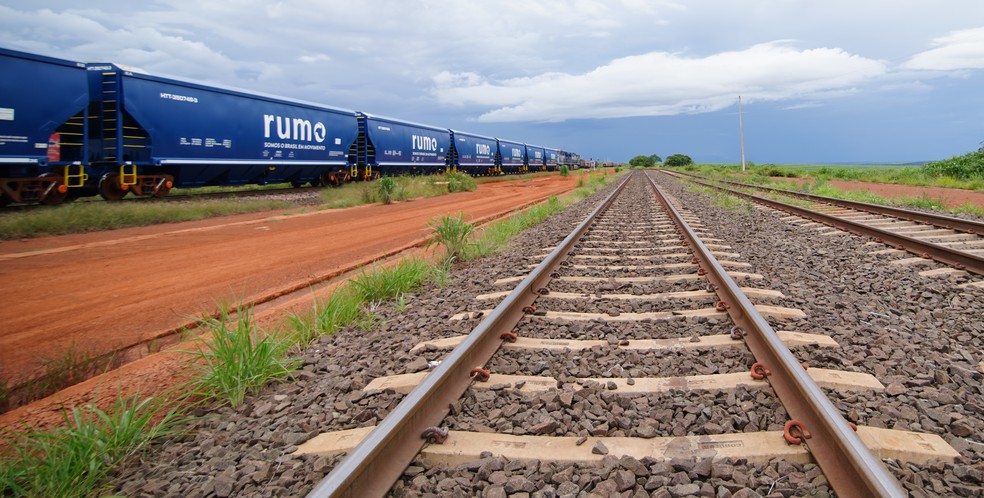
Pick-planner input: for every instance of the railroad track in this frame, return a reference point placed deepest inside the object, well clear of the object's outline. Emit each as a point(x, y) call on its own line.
point(955, 242)
point(622, 349)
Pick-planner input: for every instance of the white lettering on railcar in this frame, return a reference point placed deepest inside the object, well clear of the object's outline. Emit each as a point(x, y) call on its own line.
point(483, 149)
point(179, 98)
point(297, 129)
point(421, 142)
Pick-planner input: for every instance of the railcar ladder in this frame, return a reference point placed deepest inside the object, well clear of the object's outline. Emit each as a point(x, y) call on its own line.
point(110, 120)
point(365, 152)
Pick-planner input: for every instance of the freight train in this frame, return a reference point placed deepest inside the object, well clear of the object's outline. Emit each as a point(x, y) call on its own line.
point(71, 129)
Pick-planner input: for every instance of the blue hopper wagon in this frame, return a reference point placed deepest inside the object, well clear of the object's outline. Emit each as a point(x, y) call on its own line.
point(393, 147)
point(473, 154)
point(511, 157)
point(536, 159)
point(43, 105)
point(149, 133)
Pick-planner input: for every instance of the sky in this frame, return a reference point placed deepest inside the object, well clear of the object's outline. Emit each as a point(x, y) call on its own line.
point(873, 81)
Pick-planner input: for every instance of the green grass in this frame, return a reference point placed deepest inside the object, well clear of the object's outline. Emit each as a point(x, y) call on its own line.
point(82, 216)
point(378, 284)
point(925, 176)
point(92, 216)
point(76, 459)
point(236, 358)
point(452, 233)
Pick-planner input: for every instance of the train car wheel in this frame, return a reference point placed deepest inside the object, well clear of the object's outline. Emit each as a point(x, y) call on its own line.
point(110, 189)
point(57, 194)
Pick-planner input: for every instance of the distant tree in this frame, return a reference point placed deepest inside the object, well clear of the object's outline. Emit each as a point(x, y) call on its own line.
point(642, 162)
point(678, 160)
point(656, 159)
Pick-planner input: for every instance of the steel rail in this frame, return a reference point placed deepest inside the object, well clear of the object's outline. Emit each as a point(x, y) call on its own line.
point(378, 461)
point(943, 221)
point(947, 255)
point(847, 464)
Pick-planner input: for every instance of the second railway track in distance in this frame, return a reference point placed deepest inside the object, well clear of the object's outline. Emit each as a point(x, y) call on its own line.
point(643, 354)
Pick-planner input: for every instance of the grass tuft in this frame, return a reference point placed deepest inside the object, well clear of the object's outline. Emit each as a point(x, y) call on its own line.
point(236, 358)
point(452, 233)
point(75, 459)
point(379, 284)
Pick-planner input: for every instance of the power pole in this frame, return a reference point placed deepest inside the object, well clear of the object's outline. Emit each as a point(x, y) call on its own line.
point(741, 134)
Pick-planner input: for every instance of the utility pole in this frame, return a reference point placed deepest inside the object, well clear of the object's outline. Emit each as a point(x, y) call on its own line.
point(741, 134)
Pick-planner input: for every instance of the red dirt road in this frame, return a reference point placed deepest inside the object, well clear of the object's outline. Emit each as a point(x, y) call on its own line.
point(105, 291)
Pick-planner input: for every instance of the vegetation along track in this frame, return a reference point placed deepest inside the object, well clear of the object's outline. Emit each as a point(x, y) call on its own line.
point(921, 338)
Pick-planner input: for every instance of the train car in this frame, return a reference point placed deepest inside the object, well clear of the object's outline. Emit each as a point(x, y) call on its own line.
point(392, 147)
point(69, 129)
point(551, 158)
point(570, 159)
point(150, 133)
point(511, 157)
point(43, 105)
point(473, 154)
point(535, 158)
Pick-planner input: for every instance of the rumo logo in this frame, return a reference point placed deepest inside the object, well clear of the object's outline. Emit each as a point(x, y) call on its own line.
point(483, 149)
point(294, 129)
point(424, 143)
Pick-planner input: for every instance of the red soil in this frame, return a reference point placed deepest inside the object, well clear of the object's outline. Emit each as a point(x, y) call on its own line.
point(106, 291)
point(950, 197)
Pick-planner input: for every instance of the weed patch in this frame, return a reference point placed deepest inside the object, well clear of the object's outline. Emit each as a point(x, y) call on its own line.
point(75, 459)
point(236, 358)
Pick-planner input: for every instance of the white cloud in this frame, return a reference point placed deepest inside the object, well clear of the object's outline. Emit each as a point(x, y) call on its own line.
point(963, 49)
point(662, 83)
point(308, 59)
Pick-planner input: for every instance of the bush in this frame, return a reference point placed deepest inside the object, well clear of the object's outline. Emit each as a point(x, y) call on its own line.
point(564, 170)
point(642, 162)
point(965, 167)
point(386, 188)
point(678, 160)
point(459, 182)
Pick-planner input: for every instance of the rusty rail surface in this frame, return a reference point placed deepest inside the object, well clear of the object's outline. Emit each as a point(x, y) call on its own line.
point(939, 220)
point(847, 464)
point(947, 255)
point(379, 460)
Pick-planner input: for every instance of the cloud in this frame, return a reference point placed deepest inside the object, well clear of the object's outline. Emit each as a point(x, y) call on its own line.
point(963, 49)
point(308, 59)
point(662, 83)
